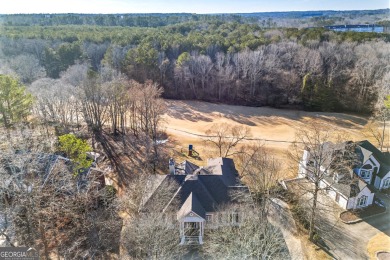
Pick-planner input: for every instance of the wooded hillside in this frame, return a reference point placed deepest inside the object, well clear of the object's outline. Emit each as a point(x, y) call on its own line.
point(238, 62)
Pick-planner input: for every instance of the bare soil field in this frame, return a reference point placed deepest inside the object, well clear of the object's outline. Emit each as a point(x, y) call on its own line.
point(186, 120)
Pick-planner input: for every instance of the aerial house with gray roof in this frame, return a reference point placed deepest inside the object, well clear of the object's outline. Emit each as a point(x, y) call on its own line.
point(196, 196)
point(352, 186)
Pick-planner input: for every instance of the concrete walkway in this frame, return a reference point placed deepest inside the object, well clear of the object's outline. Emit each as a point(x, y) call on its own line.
point(279, 215)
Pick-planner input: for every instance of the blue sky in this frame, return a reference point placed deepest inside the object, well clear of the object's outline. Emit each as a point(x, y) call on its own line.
point(187, 6)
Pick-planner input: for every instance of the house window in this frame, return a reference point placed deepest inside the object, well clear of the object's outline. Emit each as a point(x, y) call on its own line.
point(234, 217)
point(386, 183)
point(365, 174)
point(209, 217)
point(362, 201)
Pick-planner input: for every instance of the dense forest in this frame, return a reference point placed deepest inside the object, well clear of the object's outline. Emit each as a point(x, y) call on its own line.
point(266, 19)
point(210, 58)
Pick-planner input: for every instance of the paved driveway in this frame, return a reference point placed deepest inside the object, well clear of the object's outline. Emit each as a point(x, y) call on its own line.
point(349, 241)
point(279, 215)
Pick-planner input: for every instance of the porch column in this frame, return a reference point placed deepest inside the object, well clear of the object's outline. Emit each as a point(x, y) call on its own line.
point(201, 232)
point(182, 237)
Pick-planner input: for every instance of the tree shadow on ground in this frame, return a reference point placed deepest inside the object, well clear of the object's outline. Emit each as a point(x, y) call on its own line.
point(337, 239)
point(196, 111)
point(126, 153)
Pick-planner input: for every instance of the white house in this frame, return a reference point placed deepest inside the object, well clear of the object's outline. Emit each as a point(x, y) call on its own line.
point(349, 190)
point(199, 192)
point(350, 193)
point(374, 165)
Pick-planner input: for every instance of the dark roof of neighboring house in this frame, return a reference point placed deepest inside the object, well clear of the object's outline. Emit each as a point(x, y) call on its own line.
point(384, 169)
point(203, 190)
point(383, 158)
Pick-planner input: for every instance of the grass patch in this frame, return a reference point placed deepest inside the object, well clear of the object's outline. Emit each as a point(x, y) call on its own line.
point(379, 242)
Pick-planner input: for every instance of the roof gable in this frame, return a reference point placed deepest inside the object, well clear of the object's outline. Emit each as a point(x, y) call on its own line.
point(381, 157)
point(191, 204)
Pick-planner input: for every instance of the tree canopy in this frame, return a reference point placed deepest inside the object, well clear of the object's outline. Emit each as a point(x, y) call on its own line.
point(76, 149)
point(15, 101)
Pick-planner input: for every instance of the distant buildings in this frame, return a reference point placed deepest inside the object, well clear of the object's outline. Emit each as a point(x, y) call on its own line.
point(357, 28)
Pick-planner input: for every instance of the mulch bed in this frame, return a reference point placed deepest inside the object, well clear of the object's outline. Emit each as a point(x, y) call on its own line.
point(354, 215)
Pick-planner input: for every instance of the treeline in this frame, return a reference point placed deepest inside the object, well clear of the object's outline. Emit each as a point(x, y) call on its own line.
point(267, 19)
point(315, 69)
point(131, 20)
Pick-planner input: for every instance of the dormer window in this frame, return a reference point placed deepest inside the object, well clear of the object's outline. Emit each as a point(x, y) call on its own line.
point(365, 174)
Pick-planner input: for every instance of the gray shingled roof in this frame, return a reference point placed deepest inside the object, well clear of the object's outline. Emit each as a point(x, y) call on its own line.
point(191, 204)
point(384, 169)
point(349, 187)
point(204, 190)
point(383, 158)
point(224, 167)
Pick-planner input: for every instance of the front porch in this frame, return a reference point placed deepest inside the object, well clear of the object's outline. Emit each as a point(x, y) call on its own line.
point(191, 232)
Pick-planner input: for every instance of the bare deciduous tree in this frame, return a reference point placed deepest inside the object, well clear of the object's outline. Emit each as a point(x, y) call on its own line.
point(321, 160)
point(45, 206)
point(225, 137)
point(259, 170)
point(152, 230)
point(253, 238)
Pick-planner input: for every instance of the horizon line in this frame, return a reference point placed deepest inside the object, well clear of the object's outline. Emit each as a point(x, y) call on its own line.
point(292, 11)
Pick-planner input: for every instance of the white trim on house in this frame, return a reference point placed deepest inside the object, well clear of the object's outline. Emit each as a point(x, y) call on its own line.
point(353, 203)
point(367, 174)
point(386, 182)
point(362, 201)
point(191, 219)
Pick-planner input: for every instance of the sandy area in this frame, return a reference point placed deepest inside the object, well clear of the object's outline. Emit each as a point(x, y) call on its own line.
point(186, 119)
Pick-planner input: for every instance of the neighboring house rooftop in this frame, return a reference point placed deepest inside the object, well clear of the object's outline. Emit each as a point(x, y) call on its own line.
point(366, 149)
point(349, 186)
point(384, 169)
point(384, 158)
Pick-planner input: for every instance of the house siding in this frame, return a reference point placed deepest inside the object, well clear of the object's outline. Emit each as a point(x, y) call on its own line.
point(378, 182)
point(302, 164)
point(333, 193)
point(374, 163)
point(382, 181)
point(343, 202)
point(352, 202)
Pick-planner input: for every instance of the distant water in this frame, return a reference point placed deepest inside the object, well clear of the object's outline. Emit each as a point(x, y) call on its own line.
point(356, 28)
